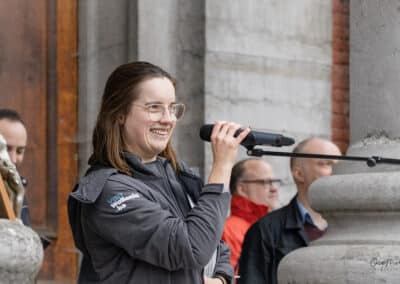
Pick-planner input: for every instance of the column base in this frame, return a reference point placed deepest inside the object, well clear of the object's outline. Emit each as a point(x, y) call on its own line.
point(21, 253)
point(334, 264)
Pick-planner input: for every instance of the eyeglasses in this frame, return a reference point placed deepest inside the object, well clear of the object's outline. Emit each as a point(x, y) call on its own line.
point(156, 111)
point(264, 182)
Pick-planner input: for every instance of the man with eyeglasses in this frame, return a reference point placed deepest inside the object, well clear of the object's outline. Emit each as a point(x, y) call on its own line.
point(292, 226)
point(254, 193)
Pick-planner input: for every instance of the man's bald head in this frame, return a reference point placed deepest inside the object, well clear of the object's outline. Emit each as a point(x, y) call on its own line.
point(306, 170)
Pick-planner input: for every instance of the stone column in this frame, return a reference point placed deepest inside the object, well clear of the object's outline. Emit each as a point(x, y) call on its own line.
point(267, 65)
point(361, 204)
point(107, 38)
point(21, 253)
point(171, 35)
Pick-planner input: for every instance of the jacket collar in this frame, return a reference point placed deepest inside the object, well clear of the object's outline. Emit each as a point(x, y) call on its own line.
point(294, 221)
point(90, 186)
point(246, 209)
point(138, 167)
point(293, 216)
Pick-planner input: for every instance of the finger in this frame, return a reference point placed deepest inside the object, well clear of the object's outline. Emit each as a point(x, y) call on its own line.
point(243, 134)
point(216, 129)
point(222, 132)
point(233, 128)
point(224, 129)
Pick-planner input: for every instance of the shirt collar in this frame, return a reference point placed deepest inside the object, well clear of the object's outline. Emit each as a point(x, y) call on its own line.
point(303, 212)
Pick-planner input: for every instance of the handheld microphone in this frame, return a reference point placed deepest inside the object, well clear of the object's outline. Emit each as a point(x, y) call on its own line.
point(253, 138)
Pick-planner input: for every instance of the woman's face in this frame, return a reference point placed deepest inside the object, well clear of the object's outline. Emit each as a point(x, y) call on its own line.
point(147, 134)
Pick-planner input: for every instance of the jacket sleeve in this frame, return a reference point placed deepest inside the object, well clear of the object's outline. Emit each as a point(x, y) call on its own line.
point(223, 266)
point(252, 259)
point(131, 219)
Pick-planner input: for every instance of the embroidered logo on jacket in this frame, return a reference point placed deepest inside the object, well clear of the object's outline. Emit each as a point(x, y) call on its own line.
point(118, 201)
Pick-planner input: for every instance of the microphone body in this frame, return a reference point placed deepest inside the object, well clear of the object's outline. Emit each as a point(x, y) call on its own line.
point(253, 138)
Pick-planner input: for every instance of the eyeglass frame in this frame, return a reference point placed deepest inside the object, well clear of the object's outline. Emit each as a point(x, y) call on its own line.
point(147, 105)
point(264, 182)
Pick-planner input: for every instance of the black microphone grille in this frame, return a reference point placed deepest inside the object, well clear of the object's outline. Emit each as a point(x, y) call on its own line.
point(205, 132)
point(287, 141)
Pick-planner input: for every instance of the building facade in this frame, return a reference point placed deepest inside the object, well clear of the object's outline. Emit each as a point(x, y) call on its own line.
point(277, 65)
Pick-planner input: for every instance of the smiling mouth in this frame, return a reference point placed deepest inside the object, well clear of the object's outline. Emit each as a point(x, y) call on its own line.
point(160, 132)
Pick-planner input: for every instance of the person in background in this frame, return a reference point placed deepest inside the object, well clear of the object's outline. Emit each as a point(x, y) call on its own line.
point(254, 192)
point(13, 129)
point(140, 215)
point(292, 226)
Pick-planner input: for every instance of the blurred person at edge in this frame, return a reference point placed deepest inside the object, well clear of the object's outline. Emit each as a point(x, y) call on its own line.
point(139, 215)
point(292, 226)
point(254, 192)
point(13, 129)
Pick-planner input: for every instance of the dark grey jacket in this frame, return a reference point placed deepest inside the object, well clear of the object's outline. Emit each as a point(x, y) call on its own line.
point(268, 241)
point(141, 229)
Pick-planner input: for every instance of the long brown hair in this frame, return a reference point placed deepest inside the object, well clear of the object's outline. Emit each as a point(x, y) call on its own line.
point(120, 91)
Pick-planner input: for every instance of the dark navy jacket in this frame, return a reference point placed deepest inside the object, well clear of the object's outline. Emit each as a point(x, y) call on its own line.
point(268, 241)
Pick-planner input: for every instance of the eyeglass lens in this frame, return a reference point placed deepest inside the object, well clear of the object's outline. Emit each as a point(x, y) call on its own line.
point(157, 111)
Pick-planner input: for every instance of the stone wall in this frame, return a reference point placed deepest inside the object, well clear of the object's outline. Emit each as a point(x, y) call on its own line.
point(268, 65)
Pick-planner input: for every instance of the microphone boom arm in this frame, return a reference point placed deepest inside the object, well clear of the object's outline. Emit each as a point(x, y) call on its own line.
point(371, 161)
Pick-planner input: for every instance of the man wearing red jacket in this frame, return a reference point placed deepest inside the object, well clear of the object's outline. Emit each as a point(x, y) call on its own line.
point(254, 193)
